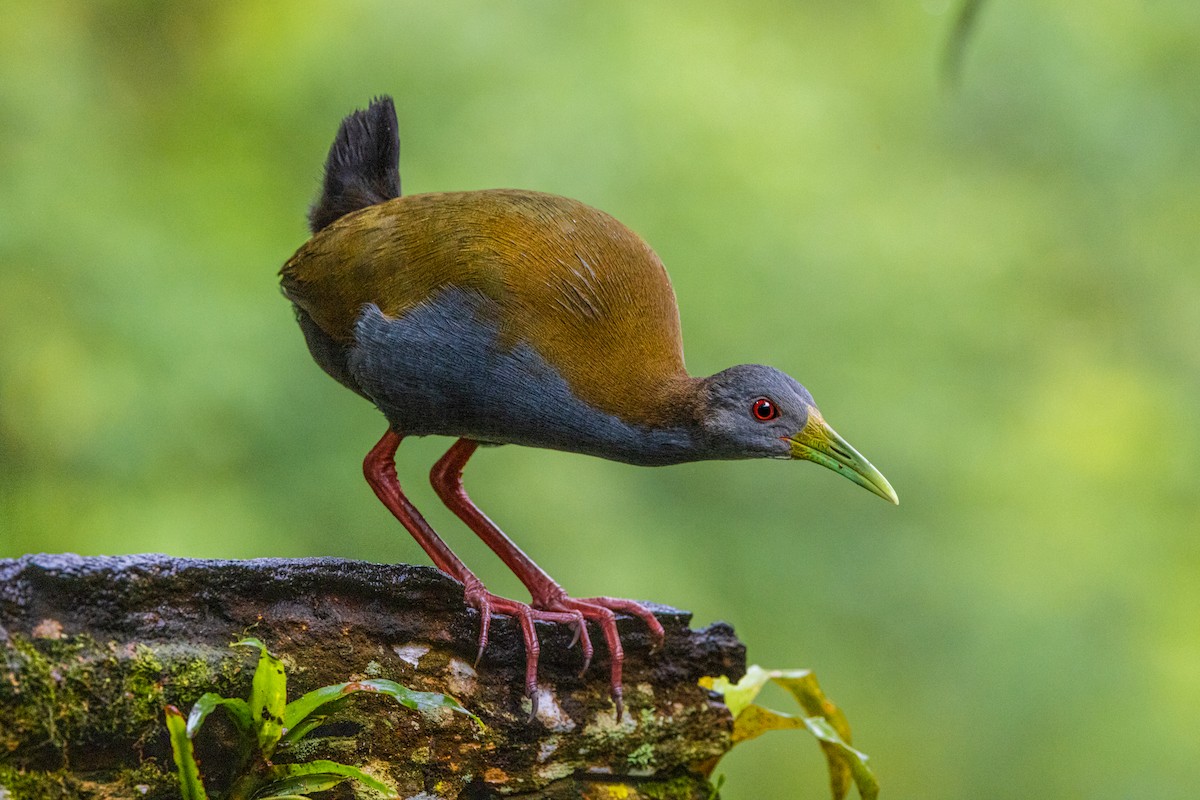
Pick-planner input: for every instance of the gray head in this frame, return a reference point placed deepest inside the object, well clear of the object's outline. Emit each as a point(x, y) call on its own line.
point(752, 411)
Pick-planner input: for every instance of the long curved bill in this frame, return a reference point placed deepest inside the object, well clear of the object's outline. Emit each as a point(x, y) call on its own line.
point(820, 443)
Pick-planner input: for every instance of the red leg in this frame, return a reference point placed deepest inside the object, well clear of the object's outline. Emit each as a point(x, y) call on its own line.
point(547, 595)
point(380, 470)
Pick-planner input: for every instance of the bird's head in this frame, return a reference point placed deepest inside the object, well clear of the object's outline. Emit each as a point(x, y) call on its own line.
point(752, 411)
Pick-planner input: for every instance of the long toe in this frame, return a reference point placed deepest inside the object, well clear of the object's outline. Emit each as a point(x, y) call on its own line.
point(634, 609)
point(585, 643)
point(607, 622)
point(480, 599)
point(601, 610)
point(487, 604)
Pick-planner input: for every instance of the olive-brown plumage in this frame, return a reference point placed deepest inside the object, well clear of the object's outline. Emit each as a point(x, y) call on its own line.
point(517, 317)
point(562, 272)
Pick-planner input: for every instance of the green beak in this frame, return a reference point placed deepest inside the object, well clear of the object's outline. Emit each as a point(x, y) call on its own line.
point(820, 443)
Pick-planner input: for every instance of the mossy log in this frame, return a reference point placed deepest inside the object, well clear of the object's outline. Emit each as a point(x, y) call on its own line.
point(93, 649)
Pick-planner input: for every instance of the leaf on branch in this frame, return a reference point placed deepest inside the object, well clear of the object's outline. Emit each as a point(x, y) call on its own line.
point(852, 761)
point(823, 719)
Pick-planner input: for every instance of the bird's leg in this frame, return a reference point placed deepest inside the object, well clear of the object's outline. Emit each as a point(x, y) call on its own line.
point(379, 467)
point(546, 593)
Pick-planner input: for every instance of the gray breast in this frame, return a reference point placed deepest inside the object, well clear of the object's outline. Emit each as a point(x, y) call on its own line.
point(439, 369)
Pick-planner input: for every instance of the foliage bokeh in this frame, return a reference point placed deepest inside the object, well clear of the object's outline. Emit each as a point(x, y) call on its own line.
point(991, 288)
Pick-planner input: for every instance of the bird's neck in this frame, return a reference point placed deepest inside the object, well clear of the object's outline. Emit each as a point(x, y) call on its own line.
point(674, 403)
point(667, 429)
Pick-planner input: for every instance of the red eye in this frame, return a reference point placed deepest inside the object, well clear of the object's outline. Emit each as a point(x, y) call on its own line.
point(764, 410)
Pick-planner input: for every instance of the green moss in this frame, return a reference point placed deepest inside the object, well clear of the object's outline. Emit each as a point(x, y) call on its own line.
point(642, 757)
point(147, 782)
point(144, 783)
point(33, 707)
point(678, 788)
point(60, 695)
point(77, 690)
point(36, 785)
point(331, 747)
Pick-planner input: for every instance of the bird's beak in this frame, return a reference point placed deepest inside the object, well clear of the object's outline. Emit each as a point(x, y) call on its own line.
point(818, 442)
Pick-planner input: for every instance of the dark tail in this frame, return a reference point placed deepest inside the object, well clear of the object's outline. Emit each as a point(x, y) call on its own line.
point(363, 166)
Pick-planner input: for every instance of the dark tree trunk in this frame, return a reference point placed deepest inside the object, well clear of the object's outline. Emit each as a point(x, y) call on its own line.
point(92, 650)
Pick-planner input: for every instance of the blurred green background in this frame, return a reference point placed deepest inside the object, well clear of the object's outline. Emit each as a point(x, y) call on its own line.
point(992, 290)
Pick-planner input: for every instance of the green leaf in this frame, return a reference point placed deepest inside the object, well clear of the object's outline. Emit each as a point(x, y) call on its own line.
point(844, 761)
point(268, 697)
point(804, 687)
point(301, 707)
point(755, 720)
point(741, 694)
point(305, 726)
point(250, 641)
point(296, 711)
point(190, 785)
point(852, 760)
point(238, 709)
point(824, 720)
point(298, 786)
point(316, 776)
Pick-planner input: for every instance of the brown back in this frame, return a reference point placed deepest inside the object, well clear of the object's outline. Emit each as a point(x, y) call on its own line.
point(577, 285)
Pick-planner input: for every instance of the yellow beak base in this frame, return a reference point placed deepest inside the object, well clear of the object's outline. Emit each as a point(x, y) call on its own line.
point(821, 444)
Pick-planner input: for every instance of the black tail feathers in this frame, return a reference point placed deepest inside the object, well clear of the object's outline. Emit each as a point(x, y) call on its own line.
point(363, 166)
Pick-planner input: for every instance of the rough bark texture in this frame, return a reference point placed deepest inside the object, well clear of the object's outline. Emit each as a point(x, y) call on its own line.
point(92, 650)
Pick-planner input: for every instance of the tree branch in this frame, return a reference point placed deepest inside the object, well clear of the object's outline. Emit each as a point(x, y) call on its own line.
point(94, 648)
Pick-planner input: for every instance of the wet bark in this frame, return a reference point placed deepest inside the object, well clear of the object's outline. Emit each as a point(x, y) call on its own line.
point(92, 649)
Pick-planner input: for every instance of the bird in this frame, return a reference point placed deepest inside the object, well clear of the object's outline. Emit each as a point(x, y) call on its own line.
point(514, 317)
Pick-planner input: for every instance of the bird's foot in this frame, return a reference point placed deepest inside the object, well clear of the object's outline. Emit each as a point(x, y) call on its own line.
point(554, 605)
point(486, 603)
point(602, 611)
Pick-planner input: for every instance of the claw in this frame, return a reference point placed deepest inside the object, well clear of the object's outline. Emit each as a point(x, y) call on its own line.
point(533, 705)
point(485, 625)
point(585, 646)
point(575, 635)
point(479, 654)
